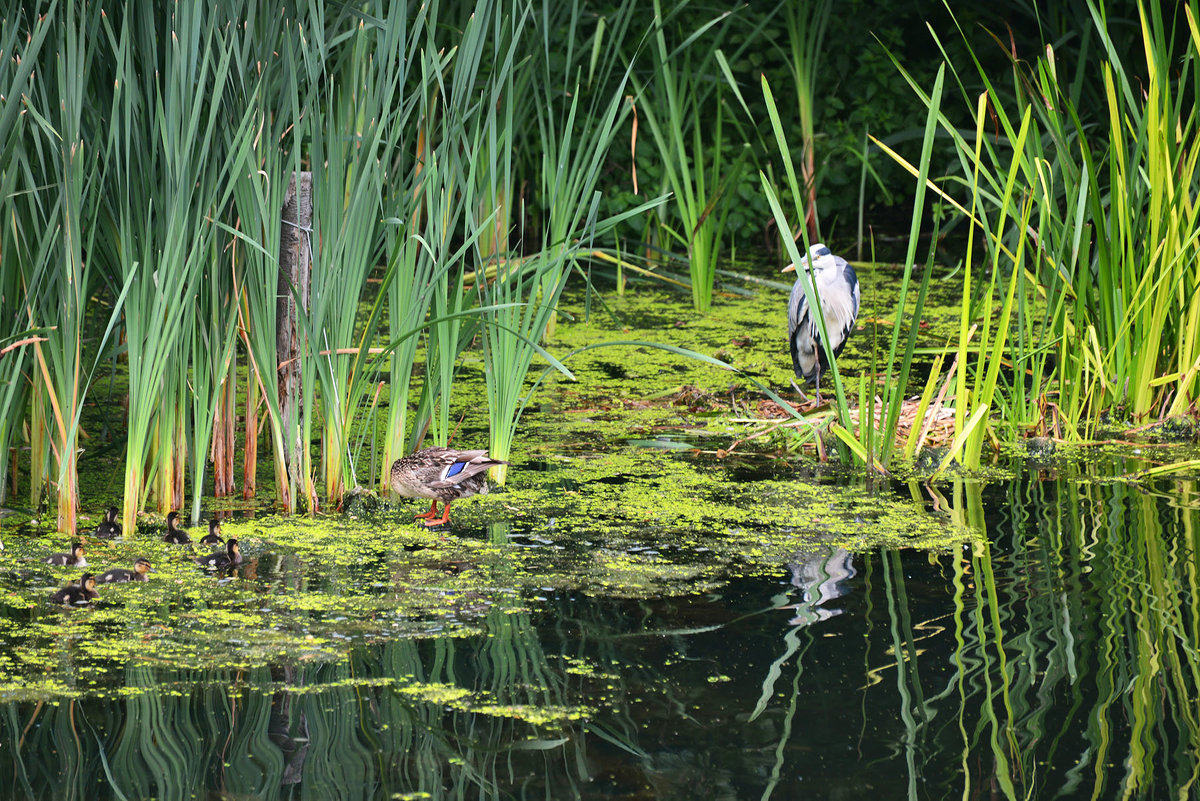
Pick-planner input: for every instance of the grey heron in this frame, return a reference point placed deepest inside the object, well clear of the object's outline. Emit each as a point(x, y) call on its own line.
point(837, 285)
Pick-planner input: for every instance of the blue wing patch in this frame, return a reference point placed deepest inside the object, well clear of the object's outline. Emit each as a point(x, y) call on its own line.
point(455, 469)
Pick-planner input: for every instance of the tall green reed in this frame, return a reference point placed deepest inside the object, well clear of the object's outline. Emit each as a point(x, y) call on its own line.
point(516, 280)
point(267, 78)
point(58, 221)
point(451, 121)
point(806, 26)
point(1085, 204)
point(574, 141)
point(676, 102)
point(408, 296)
point(360, 117)
point(212, 340)
point(1153, 240)
point(166, 466)
point(165, 192)
point(16, 271)
point(894, 391)
point(789, 243)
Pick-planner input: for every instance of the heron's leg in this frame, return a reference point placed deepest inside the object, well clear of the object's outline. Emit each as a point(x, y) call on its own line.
point(445, 518)
point(799, 391)
point(432, 513)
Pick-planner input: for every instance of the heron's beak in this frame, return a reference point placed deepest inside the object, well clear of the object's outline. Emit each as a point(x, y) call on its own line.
point(791, 268)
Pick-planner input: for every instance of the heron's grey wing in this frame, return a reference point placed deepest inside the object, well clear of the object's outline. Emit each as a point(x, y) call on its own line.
point(846, 270)
point(843, 313)
point(797, 305)
point(852, 279)
point(802, 335)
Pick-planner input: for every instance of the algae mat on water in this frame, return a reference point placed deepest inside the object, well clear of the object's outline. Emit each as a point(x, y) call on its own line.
point(588, 509)
point(634, 523)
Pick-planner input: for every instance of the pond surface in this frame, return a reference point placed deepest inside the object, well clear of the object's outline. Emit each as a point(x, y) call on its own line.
point(1057, 658)
point(651, 609)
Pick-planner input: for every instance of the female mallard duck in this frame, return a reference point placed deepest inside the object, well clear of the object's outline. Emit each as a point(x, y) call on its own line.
point(441, 474)
point(79, 593)
point(232, 555)
point(118, 574)
point(175, 535)
point(213, 537)
point(109, 527)
point(73, 559)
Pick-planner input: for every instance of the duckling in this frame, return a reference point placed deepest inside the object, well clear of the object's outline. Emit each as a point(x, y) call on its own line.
point(441, 474)
point(74, 558)
point(79, 593)
point(175, 535)
point(118, 574)
point(109, 527)
point(213, 537)
point(232, 555)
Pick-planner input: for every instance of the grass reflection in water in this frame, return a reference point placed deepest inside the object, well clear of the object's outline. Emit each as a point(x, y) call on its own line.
point(1056, 657)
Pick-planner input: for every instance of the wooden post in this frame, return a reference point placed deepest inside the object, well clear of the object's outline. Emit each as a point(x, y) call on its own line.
point(295, 269)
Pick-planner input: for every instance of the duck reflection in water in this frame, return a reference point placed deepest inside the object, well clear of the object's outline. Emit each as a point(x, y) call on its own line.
point(821, 575)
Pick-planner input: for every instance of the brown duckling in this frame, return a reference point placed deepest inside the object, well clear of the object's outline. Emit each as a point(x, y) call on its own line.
point(232, 555)
point(175, 535)
point(213, 537)
point(118, 574)
point(73, 559)
point(109, 528)
point(79, 593)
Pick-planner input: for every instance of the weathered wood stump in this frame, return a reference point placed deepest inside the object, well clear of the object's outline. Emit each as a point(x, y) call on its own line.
point(295, 270)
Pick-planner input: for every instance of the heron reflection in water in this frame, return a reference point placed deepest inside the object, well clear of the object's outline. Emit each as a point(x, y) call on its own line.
point(821, 576)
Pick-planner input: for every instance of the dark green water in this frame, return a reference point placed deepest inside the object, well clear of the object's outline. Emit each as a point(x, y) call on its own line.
point(1058, 659)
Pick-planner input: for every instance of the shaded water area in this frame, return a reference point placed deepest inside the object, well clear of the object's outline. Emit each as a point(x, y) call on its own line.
point(1053, 655)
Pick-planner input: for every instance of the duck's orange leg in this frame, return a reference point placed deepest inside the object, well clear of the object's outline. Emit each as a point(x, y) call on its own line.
point(445, 518)
point(432, 513)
